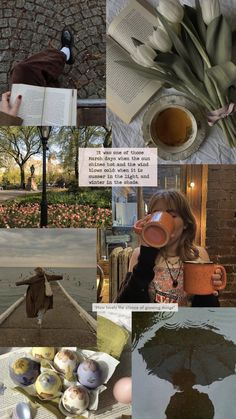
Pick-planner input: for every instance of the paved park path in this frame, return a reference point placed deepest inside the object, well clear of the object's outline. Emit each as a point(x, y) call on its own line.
point(62, 326)
point(29, 26)
point(12, 194)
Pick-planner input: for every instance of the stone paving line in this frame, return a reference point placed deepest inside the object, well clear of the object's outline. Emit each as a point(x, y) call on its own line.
point(28, 26)
point(62, 326)
point(10, 195)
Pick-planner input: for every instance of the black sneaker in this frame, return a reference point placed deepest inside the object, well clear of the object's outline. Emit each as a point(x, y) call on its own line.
point(67, 40)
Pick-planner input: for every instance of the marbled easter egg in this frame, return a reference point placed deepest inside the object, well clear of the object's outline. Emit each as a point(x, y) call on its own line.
point(75, 400)
point(24, 371)
point(89, 373)
point(66, 361)
point(43, 352)
point(48, 385)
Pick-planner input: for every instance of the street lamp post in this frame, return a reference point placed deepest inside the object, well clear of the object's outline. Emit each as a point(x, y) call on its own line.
point(44, 135)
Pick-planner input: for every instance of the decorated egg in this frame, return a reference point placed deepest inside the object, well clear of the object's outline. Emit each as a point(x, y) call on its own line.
point(66, 361)
point(43, 353)
point(89, 373)
point(122, 390)
point(24, 371)
point(75, 400)
point(48, 385)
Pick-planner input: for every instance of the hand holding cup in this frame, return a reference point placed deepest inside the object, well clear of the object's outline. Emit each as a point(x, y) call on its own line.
point(217, 280)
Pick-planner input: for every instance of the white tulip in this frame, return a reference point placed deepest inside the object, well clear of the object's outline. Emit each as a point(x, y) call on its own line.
point(160, 40)
point(172, 10)
point(175, 26)
point(210, 10)
point(144, 55)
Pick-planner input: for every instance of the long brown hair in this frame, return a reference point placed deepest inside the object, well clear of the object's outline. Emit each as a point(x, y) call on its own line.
point(175, 200)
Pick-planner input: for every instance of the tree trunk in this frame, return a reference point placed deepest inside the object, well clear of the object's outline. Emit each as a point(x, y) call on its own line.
point(22, 177)
point(107, 138)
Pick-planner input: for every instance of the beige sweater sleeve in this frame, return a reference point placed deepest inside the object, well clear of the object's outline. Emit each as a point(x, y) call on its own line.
point(9, 120)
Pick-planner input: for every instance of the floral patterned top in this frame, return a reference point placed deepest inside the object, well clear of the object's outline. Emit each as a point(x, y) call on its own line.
point(161, 289)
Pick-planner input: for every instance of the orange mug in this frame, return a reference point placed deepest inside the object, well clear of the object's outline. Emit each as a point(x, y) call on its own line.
point(197, 277)
point(155, 228)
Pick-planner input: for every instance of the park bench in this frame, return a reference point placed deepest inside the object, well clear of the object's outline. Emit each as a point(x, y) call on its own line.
point(91, 112)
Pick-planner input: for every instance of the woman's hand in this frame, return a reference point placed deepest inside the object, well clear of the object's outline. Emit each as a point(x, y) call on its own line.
point(6, 107)
point(217, 280)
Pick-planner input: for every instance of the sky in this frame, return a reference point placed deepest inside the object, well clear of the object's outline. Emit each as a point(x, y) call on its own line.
point(48, 248)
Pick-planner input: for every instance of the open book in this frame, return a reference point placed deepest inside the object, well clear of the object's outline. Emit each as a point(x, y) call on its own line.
point(46, 105)
point(127, 90)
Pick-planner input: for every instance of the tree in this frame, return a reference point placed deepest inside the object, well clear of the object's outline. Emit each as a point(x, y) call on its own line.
point(20, 143)
point(107, 138)
point(70, 139)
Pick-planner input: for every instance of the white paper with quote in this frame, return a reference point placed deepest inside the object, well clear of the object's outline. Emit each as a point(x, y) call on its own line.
point(118, 167)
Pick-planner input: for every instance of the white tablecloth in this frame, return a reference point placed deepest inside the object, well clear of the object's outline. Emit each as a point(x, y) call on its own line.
point(214, 149)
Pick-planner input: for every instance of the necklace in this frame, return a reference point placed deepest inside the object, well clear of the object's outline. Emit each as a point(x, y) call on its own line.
point(174, 279)
point(175, 261)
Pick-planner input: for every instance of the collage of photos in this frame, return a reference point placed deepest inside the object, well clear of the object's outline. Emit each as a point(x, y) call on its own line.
point(129, 275)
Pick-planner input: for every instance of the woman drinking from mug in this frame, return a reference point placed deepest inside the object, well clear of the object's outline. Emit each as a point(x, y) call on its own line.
point(156, 274)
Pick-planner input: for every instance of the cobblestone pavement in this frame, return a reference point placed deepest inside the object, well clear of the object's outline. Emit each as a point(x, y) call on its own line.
point(28, 26)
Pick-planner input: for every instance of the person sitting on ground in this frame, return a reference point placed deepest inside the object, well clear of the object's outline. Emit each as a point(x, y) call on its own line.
point(41, 69)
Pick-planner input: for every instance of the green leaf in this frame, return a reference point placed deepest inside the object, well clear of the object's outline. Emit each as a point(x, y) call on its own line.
point(209, 85)
point(198, 45)
point(224, 76)
point(197, 65)
point(219, 41)
point(200, 22)
point(186, 77)
point(181, 69)
point(190, 18)
point(178, 44)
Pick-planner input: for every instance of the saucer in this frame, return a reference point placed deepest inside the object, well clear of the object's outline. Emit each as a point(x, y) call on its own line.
point(183, 151)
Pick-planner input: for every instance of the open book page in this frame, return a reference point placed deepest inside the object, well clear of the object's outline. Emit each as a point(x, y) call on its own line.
point(127, 90)
point(112, 412)
point(32, 103)
point(136, 20)
point(73, 121)
point(58, 104)
point(10, 397)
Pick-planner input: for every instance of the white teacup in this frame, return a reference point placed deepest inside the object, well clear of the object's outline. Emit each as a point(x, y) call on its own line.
point(173, 126)
point(169, 126)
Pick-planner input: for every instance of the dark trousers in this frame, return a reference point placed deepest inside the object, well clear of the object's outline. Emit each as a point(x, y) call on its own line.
point(41, 69)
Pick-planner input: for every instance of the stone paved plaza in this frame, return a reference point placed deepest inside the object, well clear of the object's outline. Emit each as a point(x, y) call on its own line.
point(28, 26)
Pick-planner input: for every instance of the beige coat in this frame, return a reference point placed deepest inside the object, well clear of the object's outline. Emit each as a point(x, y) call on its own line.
point(35, 296)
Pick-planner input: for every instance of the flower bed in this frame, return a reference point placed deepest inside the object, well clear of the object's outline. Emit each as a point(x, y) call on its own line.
point(59, 216)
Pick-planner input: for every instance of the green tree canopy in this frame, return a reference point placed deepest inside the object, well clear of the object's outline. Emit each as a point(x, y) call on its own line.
point(19, 144)
point(68, 140)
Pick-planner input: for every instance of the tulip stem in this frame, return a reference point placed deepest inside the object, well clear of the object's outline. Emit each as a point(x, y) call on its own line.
point(197, 45)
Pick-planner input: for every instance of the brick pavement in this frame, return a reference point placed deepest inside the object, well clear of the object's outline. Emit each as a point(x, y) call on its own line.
point(28, 26)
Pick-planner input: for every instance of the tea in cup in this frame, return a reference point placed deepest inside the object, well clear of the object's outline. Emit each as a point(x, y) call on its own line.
point(198, 277)
point(155, 228)
point(173, 126)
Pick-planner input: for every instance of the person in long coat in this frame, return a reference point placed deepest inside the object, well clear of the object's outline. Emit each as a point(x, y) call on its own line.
point(37, 302)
